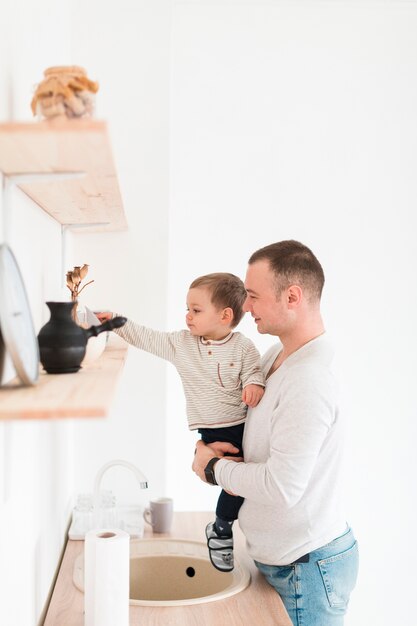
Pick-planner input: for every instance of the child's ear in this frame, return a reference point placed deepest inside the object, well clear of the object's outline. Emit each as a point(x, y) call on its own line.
point(227, 316)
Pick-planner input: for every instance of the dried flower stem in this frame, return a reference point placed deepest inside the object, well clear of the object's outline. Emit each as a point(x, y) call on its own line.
point(84, 286)
point(74, 279)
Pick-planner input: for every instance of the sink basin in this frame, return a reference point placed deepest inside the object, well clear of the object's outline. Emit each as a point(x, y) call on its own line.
point(174, 572)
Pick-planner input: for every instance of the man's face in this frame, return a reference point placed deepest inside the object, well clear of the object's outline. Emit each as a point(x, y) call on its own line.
point(268, 309)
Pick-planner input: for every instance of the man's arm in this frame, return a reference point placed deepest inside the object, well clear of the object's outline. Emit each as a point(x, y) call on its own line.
point(299, 426)
point(205, 452)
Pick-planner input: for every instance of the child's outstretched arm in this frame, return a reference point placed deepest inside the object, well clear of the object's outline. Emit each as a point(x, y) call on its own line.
point(160, 343)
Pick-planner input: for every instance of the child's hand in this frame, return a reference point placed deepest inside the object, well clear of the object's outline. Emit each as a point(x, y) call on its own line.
point(103, 316)
point(252, 394)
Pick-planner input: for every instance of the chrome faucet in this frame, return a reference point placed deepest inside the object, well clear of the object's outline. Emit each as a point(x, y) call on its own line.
point(142, 480)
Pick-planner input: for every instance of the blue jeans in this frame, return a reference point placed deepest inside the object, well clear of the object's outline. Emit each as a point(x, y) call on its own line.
point(317, 593)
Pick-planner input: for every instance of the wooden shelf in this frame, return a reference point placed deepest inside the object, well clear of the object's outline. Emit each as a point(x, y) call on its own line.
point(66, 147)
point(88, 393)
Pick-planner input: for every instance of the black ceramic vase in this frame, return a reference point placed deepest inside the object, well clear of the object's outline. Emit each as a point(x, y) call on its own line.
point(62, 343)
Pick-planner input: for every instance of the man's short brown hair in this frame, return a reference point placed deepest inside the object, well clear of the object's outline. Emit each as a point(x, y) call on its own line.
point(293, 263)
point(226, 290)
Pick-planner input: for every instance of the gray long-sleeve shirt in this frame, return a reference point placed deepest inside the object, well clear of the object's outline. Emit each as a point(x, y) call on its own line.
point(291, 477)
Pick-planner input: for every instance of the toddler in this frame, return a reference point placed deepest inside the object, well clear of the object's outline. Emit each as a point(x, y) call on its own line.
point(221, 376)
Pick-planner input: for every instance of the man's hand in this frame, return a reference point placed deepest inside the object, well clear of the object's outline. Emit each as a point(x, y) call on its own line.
point(205, 452)
point(252, 394)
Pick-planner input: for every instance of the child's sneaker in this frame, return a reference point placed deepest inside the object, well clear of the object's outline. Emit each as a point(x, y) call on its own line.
point(220, 549)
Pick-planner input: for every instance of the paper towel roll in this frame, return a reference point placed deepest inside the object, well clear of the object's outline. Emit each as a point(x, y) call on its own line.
point(106, 578)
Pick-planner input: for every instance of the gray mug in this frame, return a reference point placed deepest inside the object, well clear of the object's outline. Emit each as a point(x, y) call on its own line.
point(159, 514)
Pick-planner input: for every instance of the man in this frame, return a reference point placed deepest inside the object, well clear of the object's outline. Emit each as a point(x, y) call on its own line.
point(292, 516)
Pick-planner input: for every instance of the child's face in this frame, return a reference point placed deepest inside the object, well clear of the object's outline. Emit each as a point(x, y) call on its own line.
point(203, 318)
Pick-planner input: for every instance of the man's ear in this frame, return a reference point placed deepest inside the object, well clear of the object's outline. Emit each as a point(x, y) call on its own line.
point(227, 316)
point(294, 295)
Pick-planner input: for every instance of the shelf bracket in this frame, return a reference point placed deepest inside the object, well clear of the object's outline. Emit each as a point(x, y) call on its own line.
point(65, 228)
point(9, 180)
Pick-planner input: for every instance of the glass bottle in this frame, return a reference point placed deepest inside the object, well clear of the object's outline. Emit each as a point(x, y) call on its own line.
point(108, 512)
point(83, 513)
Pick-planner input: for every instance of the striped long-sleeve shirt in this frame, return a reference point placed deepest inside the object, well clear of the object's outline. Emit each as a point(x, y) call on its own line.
point(213, 373)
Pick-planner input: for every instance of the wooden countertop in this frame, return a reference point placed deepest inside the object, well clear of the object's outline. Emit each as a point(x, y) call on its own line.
point(258, 604)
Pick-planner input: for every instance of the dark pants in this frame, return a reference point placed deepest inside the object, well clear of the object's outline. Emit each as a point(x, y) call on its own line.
point(227, 506)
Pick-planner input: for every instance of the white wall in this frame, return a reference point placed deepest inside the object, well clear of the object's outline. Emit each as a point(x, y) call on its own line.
point(298, 120)
point(36, 475)
point(36, 457)
point(233, 124)
point(44, 464)
point(128, 52)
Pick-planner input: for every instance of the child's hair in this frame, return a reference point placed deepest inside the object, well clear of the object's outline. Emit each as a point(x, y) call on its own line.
point(226, 290)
